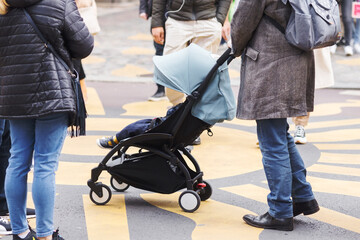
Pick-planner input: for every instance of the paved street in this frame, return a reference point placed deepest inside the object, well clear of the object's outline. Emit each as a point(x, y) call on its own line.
point(119, 82)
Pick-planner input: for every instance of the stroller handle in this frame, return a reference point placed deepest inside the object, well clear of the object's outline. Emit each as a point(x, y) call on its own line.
point(226, 56)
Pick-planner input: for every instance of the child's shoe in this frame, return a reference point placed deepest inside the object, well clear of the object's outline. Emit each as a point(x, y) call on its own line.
point(107, 142)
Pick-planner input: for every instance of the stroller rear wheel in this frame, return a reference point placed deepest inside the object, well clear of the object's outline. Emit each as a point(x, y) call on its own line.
point(104, 197)
point(189, 201)
point(205, 193)
point(118, 185)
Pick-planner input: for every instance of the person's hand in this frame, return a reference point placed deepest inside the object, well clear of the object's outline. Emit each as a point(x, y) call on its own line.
point(225, 31)
point(158, 35)
point(144, 16)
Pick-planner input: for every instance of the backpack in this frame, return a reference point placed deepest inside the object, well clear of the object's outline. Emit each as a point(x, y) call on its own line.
point(312, 24)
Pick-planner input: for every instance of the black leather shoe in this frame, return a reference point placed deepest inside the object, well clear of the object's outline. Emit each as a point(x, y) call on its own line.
point(305, 208)
point(268, 222)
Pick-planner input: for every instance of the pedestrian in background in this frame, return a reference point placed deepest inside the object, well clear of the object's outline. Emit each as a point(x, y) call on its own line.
point(38, 98)
point(277, 82)
point(145, 12)
point(324, 77)
point(88, 11)
point(196, 21)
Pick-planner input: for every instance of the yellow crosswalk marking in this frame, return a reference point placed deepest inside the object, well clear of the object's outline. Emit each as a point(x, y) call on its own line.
point(141, 36)
point(339, 158)
point(94, 105)
point(106, 222)
point(334, 170)
point(153, 109)
point(214, 220)
point(327, 109)
point(324, 215)
point(130, 71)
point(337, 146)
point(341, 135)
point(138, 51)
point(350, 188)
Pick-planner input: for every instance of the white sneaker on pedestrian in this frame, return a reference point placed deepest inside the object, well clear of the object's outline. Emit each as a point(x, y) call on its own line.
point(299, 136)
point(357, 48)
point(5, 227)
point(348, 51)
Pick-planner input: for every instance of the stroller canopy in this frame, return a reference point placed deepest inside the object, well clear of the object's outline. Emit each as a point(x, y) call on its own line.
point(184, 71)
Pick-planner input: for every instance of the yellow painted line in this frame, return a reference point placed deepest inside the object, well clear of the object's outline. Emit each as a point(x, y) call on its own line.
point(350, 188)
point(76, 174)
point(334, 170)
point(233, 73)
point(341, 135)
point(246, 123)
point(350, 62)
point(106, 124)
point(324, 215)
point(339, 158)
point(108, 221)
point(328, 124)
point(130, 71)
point(214, 220)
point(227, 153)
point(93, 60)
point(138, 51)
point(336, 146)
point(148, 108)
point(141, 36)
point(327, 109)
point(94, 105)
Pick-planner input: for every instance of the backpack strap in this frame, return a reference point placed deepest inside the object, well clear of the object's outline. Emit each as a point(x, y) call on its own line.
point(275, 23)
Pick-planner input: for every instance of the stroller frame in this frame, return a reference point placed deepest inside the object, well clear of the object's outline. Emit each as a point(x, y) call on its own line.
point(197, 189)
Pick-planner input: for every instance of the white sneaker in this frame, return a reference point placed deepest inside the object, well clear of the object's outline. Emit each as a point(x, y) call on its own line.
point(348, 51)
point(333, 49)
point(357, 48)
point(299, 136)
point(5, 227)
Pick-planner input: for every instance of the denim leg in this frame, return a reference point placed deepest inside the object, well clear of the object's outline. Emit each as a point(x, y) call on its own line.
point(50, 132)
point(272, 135)
point(301, 189)
point(5, 145)
point(22, 144)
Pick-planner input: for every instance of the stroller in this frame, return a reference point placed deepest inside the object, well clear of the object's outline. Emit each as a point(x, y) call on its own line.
point(159, 165)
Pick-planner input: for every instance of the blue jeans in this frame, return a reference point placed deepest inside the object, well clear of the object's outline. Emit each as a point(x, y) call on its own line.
point(284, 168)
point(41, 138)
point(356, 31)
point(5, 145)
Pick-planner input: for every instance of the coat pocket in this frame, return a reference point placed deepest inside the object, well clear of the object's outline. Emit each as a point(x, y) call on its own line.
point(252, 53)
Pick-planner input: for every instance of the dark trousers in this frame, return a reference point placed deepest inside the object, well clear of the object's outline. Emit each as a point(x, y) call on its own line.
point(347, 19)
point(5, 145)
point(159, 49)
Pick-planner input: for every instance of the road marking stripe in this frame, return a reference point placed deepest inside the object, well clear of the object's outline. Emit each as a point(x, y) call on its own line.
point(94, 105)
point(335, 186)
point(214, 220)
point(334, 170)
point(339, 158)
point(324, 215)
point(108, 221)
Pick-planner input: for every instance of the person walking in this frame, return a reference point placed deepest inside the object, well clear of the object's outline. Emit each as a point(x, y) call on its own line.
point(277, 82)
point(38, 98)
point(145, 12)
point(196, 21)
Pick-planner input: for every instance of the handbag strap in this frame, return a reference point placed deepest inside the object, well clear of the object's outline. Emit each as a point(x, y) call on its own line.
point(47, 43)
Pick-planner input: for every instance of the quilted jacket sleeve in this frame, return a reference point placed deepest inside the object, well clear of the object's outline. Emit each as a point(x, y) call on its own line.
point(222, 10)
point(21, 3)
point(78, 39)
point(158, 12)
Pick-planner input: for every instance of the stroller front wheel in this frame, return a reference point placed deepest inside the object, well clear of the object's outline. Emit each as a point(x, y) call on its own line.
point(189, 201)
point(104, 198)
point(118, 185)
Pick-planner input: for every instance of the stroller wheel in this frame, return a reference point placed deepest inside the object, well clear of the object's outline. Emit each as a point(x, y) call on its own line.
point(104, 198)
point(205, 193)
point(118, 185)
point(189, 201)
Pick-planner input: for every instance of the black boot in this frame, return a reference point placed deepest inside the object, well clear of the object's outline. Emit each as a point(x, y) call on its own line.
point(306, 208)
point(268, 222)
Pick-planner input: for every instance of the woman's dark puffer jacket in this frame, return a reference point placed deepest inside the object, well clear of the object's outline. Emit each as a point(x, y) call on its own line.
point(32, 82)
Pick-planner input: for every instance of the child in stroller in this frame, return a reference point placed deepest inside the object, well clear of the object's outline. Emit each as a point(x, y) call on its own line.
point(133, 129)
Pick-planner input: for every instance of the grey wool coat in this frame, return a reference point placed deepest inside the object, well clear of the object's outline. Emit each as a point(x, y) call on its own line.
point(277, 79)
